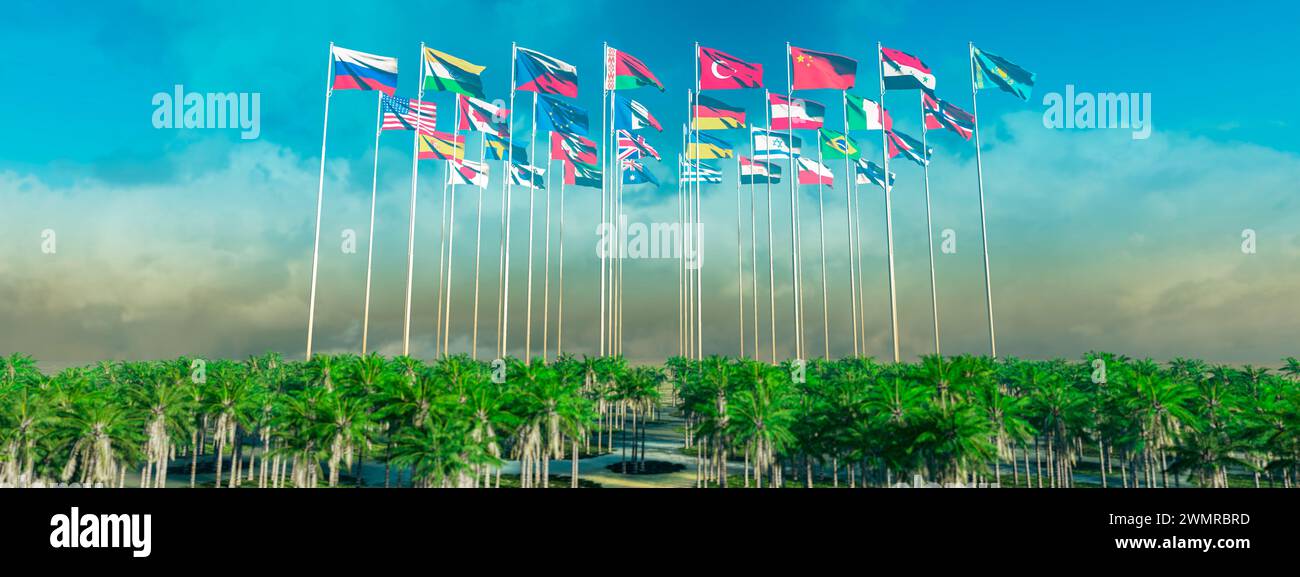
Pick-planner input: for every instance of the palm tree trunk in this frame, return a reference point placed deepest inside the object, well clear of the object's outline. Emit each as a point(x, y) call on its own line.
point(574, 465)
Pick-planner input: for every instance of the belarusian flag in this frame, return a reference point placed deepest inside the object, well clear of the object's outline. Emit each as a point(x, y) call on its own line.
point(445, 72)
point(866, 114)
point(813, 69)
point(624, 71)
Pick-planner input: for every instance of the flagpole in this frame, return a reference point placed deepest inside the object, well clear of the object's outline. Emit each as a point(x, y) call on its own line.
point(478, 246)
point(559, 314)
point(821, 233)
point(740, 262)
point(622, 258)
point(753, 245)
point(510, 161)
point(699, 191)
point(979, 172)
point(681, 255)
point(861, 296)
point(443, 257)
point(451, 242)
point(320, 197)
point(794, 212)
point(546, 262)
point(410, 235)
point(532, 211)
point(501, 240)
point(370, 244)
point(849, 180)
point(604, 183)
point(771, 252)
point(889, 210)
point(934, 291)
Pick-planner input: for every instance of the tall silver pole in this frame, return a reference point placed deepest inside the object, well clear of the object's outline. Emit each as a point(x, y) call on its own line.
point(821, 233)
point(699, 242)
point(410, 235)
point(532, 211)
point(478, 246)
point(443, 257)
point(889, 210)
point(771, 247)
point(753, 248)
point(604, 184)
point(370, 244)
point(320, 197)
point(559, 314)
point(451, 241)
point(740, 262)
point(984, 235)
point(510, 161)
point(848, 195)
point(546, 261)
point(929, 226)
point(794, 213)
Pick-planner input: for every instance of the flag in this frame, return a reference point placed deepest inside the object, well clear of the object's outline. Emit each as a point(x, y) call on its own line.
point(573, 148)
point(467, 172)
point(722, 71)
point(866, 114)
point(813, 172)
point(636, 173)
point(909, 147)
point(634, 146)
point(838, 145)
point(406, 114)
point(706, 174)
point(579, 174)
point(1002, 73)
point(538, 72)
point(902, 71)
point(559, 116)
point(441, 146)
point(758, 172)
point(770, 145)
point(701, 145)
point(446, 73)
point(813, 69)
point(496, 149)
point(870, 173)
point(713, 114)
point(355, 70)
point(632, 115)
point(624, 71)
point(800, 113)
point(940, 113)
point(527, 176)
point(483, 116)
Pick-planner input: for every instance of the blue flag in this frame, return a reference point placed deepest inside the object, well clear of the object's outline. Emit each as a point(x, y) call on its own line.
point(557, 115)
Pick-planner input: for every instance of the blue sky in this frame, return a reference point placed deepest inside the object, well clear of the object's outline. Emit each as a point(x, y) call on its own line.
point(1080, 220)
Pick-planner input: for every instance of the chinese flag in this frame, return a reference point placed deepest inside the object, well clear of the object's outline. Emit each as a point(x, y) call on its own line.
point(814, 69)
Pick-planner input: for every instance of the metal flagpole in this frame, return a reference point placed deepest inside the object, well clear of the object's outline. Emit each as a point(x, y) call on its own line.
point(740, 261)
point(559, 313)
point(771, 248)
point(753, 246)
point(478, 245)
point(889, 213)
point(821, 232)
point(622, 258)
point(532, 211)
point(370, 244)
point(979, 172)
point(681, 255)
point(546, 261)
point(934, 291)
point(794, 213)
point(604, 182)
point(501, 240)
point(510, 160)
point(451, 241)
point(862, 279)
point(410, 235)
point(320, 197)
point(443, 258)
point(699, 216)
point(848, 195)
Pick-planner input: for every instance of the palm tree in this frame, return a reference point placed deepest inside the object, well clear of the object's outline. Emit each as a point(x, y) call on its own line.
point(163, 397)
point(100, 438)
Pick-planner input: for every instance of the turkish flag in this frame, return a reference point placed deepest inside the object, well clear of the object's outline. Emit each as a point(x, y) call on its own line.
point(722, 71)
point(814, 69)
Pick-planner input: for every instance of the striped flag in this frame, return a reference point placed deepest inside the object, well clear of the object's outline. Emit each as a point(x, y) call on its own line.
point(623, 71)
point(538, 72)
point(405, 114)
point(707, 173)
point(573, 148)
point(467, 172)
point(713, 114)
point(632, 115)
point(769, 145)
point(496, 149)
point(758, 172)
point(902, 71)
point(441, 146)
point(870, 173)
point(444, 72)
point(813, 172)
point(866, 114)
point(527, 176)
point(483, 116)
point(356, 70)
point(579, 174)
point(940, 113)
point(799, 113)
point(701, 145)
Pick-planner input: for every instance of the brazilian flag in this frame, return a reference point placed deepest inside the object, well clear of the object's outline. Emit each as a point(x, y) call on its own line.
point(838, 145)
point(998, 71)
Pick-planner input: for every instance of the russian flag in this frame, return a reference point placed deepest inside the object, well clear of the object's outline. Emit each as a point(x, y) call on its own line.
point(355, 70)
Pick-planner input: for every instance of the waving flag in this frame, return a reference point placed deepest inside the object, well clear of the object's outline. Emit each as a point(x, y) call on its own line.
point(870, 173)
point(866, 114)
point(573, 148)
point(635, 146)
point(722, 71)
point(1000, 72)
point(838, 145)
point(798, 113)
point(706, 174)
point(714, 114)
point(623, 71)
point(527, 176)
point(557, 115)
point(446, 73)
point(355, 70)
point(903, 71)
point(580, 174)
point(496, 149)
point(813, 172)
point(467, 172)
point(940, 113)
point(482, 116)
point(770, 145)
point(701, 145)
point(441, 146)
point(538, 72)
point(632, 115)
point(909, 147)
point(406, 114)
point(813, 69)
point(758, 172)
point(636, 173)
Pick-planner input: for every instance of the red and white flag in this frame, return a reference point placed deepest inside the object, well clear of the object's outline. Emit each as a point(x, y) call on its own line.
point(797, 113)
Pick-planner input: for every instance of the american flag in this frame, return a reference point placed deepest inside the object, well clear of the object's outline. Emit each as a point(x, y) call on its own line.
point(405, 114)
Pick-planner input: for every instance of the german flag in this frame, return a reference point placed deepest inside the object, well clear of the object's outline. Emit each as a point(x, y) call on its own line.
point(714, 114)
point(813, 69)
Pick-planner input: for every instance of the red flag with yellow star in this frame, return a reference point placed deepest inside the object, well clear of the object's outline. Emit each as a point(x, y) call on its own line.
point(813, 69)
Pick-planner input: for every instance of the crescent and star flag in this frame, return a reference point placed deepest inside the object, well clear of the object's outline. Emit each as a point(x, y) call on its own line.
point(838, 145)
point(902, 71)
point(579, 174)
point(573, 148)
point(758, 172)
point(870, 173)
point(799, 113)
point(1000, 72)
point(496, 149)
point(707, 173)
point(701, 145)
point(722, 71)
point(866, 114)
point(813, 172)
point(632, 115)
point(624, 71)
point(634, 146)
point(355, 70)
point(813, 69)
point(467, 172)
point(909, 147)
point(406, 114)
point(537, 72)
point(446, 73)
point(482, 116)
point(713, 114)
point(636, 173)
point(556, 115)
point(940, 113)
point(441, 146)
point(770, 145)
point(527, 176)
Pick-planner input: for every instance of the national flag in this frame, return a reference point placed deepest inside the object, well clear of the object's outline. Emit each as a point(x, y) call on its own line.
point(940, 113)
point(634, 146)
point(813, 172)
point(496, 149)
point(713, 114)
point(909, 147)
point(557, 115)
point(356, 70)
point(800, 113)
point(701, 145)
point(902, 71)
point(580, 174)
point(632, 115)
point(636, 173)
point(769, 145)
point(870, 173)
point(527, 176)
point(838, 145)
point(706, 173)
point(1000, 72)
point(624, 71)
point(441, 146)
point(483, 116)
point(866, 114)
point(573, 148)
point(446, 73)
point(722, 71)
point(538, 72)
point(467, 172)
point(405, 114)
point(813, 69)
point(758, 172)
